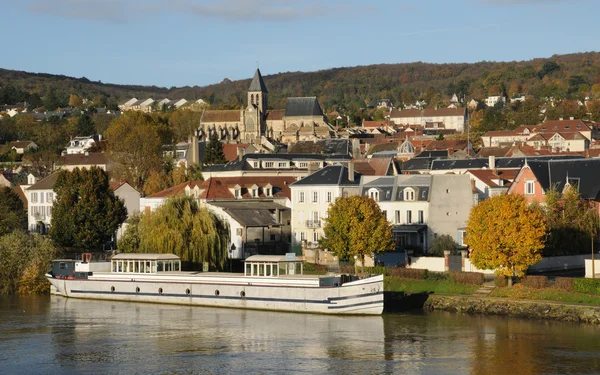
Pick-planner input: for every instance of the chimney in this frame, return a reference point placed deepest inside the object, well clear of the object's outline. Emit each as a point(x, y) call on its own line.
point(240, 153)
point(195, 156)
point(351, 171)
point(492, 162)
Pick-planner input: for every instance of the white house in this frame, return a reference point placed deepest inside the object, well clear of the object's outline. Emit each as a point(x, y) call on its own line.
point(40, 197)
point(491, 101)
point(80, 145)
point(311, 197)
point(22, 147)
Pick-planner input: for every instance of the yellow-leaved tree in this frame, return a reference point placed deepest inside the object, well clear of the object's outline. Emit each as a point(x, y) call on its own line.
point(356, 226)
point(506, 233)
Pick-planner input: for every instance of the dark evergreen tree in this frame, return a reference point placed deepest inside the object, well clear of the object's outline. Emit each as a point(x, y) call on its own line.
point(85, 125)
point(12, 212)
point(214, 151)
point(86, 213)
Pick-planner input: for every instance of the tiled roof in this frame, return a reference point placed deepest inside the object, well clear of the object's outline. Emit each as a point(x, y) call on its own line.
point(377, 124)
point(221, 116)
point(257, 83)
point(331, 175)
point(372, 166)
point(275, 114)
point(230, 150)
point(219, 187)
point(562, 126)
point(430, 112)
point(498, 152)
point(45, 184)
point(487, 175)
point(305, 106)
point(554, 173)
point(94, 158)
point(20, 144)
point(455, 144)
point(174, 190)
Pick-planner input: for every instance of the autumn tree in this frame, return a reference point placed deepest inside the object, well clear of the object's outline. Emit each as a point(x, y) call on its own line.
point(12, 212)
point(214, 151)
point(135, 146)
point(75, 101)
point(184, 122)
point(86, 213)
point(183, 228)
point(505, 233)
point(356, 226)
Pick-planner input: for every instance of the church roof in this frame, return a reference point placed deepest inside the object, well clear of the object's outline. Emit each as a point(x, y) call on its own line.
point(307, 106)
point(257, 83)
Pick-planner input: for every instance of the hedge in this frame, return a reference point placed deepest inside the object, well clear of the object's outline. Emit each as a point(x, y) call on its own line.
point(564, 283)
point(590, 286)
point(536, 282)
point(469, 278)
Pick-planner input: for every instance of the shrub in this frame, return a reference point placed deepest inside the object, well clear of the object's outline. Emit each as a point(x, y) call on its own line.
point(406, 273)
point(441, 243)
point(536, 282)
point(347, 268)
point(590, 286)
point(500, 281)
point(377, 270)
point(312, 267)
point(469, 278)
point(564, 283)
point(437, 276)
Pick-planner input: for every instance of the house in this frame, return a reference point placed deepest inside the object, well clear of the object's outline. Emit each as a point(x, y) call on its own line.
point(517, 98)
point(537, 177)
point(491, 182)
point(375, 166)
point(80, 145)
point(451, 118)
point(40, 197)
point(422, 207)
point(384, 103)
point(491, 101)
point(311, 197)
point(85, 160)
point(131, 199)
point(22, 147)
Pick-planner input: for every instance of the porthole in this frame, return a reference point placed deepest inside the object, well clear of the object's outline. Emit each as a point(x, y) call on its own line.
point(243, 294)
point(137, 290)
point(112, 288)
point(217, 292)
point(159, 290)
point(187, 291)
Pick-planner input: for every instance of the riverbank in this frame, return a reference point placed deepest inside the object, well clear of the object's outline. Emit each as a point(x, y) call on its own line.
point(530, 309)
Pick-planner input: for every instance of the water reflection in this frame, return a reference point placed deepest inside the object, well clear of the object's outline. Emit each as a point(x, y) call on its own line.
point(58, 335)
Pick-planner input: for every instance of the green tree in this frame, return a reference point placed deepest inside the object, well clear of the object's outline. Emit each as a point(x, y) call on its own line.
point(182, 228)
point(441, 243)
point(356, 226)
point(85, 125)
point(507, 234)
point(184, 123)
point(86, 214)
point(12, 212)
point(135, 146)
point(24, 259)
point(194, 172)
point(214, 151)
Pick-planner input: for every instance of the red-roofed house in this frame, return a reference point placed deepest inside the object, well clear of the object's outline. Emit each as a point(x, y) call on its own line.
point(490, 182)
point(451, 118)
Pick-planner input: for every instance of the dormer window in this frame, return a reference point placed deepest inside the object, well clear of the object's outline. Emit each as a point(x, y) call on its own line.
point(237, 191)
point(303, 164)
point(268, 189)
point(282, 164)
point(374, 194)
point(269, 164)
point(409, 194)
point(254, 190)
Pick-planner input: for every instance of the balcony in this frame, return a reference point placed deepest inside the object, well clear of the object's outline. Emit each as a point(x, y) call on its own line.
point(313, 223)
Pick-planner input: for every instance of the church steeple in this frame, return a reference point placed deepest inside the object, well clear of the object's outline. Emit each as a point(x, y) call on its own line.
point(257, 93)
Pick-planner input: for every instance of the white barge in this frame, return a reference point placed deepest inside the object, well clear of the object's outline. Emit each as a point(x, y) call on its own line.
point(269, 282)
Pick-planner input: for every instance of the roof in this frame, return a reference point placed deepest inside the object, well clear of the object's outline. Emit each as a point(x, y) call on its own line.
point(392, 188)
point(306, 106)
point(487, 175)
point(94, 158)
point(372, 166)
point(275, 114)
point(20, 144)
point(221, 116)
point(322, 146)
point(174, 190)
point(19, 191)
point(250, 205)
point(498, 152)
point(253, 218)
point(377, 124)
point(501, 163)
point(457, 144)
point(562, 126)
point(257, 83)
point(554, 173)
point(331, 175)
point(271, 258)
point(149, 256)
point(417, 164)
point(243, 165)
point(46, 183)
point(440, 112)
point(405, 113)
point(220, 187)
point(230, 150)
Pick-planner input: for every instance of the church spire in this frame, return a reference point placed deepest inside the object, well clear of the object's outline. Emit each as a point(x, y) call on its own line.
point(257, 84)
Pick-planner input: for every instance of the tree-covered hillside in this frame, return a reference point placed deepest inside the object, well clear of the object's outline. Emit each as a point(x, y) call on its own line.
point(560, 76)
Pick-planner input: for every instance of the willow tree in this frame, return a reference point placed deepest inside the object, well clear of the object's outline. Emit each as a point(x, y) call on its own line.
point(182, 228)
point(507, 234)
point(356, 226)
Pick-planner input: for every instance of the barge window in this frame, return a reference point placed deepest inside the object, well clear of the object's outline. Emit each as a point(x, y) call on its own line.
point(177, 265)
point(148, 269)
point(268, 269)
point(261, 269)
point(160, 266)
point(248, 269)
point(62, 266)
point(136, 267)
point(254, 269)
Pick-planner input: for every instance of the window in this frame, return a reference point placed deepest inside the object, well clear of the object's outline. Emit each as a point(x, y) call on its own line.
point(374, 194)
point(252, 99)
point(34, 197)
point(420, 218)
point(301, 197)
point(315, 197)
point(302, 236)
point(282, 165)
point(409, 194)
point(269, 164)
point(303, 165)
point(329, 196)
point(398, 217)
point(315, 237)
point(236, 193)
point(238, 231)
point(529, 187)
point(255, 164)
point(268, 192)
point(408, 217)
point(254, 193)
point(384, 212)
point(49, 197)
point(41, 197)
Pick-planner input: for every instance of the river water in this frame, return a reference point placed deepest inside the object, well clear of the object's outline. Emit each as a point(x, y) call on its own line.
point(55, 335)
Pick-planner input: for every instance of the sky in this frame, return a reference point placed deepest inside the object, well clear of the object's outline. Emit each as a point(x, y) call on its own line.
point(199, 42)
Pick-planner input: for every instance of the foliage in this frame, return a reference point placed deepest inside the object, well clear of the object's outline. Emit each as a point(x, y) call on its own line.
point(24, 259)
point(536, 282)
point(314, 269)
point(397, 284)
point(135, 142)
point(130, 240)
point(356, 226)
point(214, 151)
point(407, 273)
point(563, 283)
point(86, 213)
point(194, 172)
point(441, 243)
point(572, 223)
point(470, 278)
point(183, 228)
point(12, 212)
point(590, 286)
point(506, 234)
point(184, 122)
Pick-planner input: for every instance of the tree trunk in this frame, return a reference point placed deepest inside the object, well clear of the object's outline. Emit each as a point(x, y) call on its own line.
point(510, 281)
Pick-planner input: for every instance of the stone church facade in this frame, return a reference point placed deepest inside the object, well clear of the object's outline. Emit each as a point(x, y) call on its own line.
point(302, 119)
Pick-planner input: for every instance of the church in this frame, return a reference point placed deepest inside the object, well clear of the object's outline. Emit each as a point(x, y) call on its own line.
point(302, 119)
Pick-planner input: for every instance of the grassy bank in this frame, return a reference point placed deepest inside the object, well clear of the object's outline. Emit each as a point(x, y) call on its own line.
point(545, 294)
point(397, 284)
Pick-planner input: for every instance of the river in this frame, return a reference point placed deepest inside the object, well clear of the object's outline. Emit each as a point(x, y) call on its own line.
point(55, 335)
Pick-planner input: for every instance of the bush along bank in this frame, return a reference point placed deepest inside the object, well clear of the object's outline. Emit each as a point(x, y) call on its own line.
point(514, 308)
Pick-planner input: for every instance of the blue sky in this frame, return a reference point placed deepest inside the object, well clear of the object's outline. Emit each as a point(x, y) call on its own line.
point(199, 42)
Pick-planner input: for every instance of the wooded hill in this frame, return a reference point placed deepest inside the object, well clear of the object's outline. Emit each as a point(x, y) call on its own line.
point(560, 76)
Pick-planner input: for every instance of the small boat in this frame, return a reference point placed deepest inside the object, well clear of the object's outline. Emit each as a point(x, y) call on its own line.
point(269, 282)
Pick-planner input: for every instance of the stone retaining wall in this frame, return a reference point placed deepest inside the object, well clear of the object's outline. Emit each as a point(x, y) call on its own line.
point(516, 308)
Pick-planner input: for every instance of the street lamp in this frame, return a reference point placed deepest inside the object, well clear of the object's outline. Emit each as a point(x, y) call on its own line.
point(230, 256)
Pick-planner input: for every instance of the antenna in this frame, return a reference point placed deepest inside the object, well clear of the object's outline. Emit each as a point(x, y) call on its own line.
point(257, 63)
